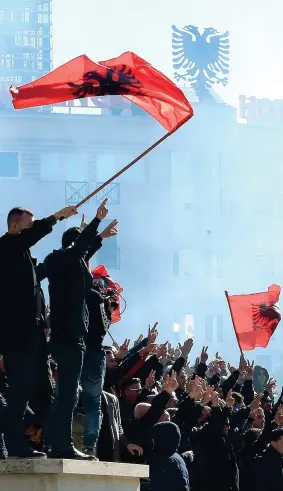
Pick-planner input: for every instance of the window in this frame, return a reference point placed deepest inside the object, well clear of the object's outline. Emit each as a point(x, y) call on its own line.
point(60, 167)
point(189, 326)
point(219, 329)
point(182, 178)
point(76, 168)
point(209, 329)
point(43, 18)
point(183, 262)
point(51, 168)
point(9, 164)
point(212, 264)
point(6, 16)
point(214, 331)
point(26, 15)
point(105, 167)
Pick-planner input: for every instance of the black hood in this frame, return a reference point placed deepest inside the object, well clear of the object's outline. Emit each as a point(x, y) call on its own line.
point(166, 439)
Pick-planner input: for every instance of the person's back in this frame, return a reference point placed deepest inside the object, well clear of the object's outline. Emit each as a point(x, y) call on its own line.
point(268, 468)
point(69, 283)
point(168, 471)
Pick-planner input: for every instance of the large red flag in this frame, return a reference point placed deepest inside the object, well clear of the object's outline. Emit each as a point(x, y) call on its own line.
point(128, 75)
point(101, 273)
point(255, 317)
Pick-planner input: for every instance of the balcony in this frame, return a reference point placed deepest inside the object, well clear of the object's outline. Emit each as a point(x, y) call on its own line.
point(111, 191)
point(75, 191)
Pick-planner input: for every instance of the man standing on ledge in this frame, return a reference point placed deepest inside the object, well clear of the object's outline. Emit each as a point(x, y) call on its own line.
point(69, 284)
point(20, 307)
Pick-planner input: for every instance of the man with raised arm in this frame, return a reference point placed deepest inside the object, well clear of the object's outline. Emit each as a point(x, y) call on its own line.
point(20, 306)
point(70, 282)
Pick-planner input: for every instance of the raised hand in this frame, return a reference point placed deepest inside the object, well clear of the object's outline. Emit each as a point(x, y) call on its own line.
point(152, 333)
point(196, 393)
point(170, 383)
point(139, 340)
point(256, 403)
point(67, 212)
point(231, 368)
point(207, 396)
point(83, 224)
point(215, 400)
point(242, 364)
point(110, 231)
point(187, 347)
point(250, 370)
point(123, 350)
point(271, 384)
point(204, 355)
point(230, 401)
point(144, 352)
point(161, 350)
point(102, 211)
point(150, 381)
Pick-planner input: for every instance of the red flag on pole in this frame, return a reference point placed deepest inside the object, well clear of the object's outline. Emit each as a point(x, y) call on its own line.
point(128, 75)
point(255, 317)
point(101, 273)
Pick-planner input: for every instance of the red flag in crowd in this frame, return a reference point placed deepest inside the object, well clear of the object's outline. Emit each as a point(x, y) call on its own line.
point(255, 317)
point(128, 75)
point(101, 273)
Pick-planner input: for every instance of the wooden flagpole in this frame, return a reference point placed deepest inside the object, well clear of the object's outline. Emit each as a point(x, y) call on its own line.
point(83, 201)
point(233, 322)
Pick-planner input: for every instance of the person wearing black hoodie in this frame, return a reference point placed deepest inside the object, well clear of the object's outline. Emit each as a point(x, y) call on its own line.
point(167, 468)
point(69, 284)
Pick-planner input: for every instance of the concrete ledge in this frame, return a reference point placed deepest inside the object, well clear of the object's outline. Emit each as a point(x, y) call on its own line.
point(69, 475)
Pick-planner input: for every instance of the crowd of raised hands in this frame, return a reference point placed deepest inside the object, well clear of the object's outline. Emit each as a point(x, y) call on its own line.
point(228, 418)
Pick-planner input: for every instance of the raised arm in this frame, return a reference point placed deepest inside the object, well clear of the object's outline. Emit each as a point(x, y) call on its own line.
point(39, 229)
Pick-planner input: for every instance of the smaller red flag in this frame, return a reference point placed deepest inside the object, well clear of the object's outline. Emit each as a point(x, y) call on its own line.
point(128, 75)
point(101, 273)
point(255, 317)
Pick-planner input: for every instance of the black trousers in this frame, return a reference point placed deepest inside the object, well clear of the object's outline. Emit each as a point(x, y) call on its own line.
point(69, 359)
point(28, 380)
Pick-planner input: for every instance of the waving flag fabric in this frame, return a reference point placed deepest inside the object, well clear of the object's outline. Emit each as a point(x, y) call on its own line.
point(255, 317)
point(128, 75)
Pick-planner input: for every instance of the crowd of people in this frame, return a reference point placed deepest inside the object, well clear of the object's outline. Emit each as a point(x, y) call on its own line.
point(64, 393)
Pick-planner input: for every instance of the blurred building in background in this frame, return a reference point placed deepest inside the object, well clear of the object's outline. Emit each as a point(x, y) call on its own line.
point(25, 40)
point(199, 215)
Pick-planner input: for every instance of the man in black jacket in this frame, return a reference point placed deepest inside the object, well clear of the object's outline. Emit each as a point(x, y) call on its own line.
point(268, 469)
point(69, 284)
point(20, 306)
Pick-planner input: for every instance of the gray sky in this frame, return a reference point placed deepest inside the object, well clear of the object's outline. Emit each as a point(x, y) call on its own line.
point(106, 29)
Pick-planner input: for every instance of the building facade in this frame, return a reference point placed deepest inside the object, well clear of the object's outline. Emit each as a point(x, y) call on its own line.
point(198, 215)
point(25, 42)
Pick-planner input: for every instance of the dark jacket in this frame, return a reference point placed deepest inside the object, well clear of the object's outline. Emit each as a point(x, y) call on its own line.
point(69, 284)
point(268, 471)
point(216, 466)
point(167, 469)
point(140, 431)
point(115, 375)
point(99, 320)
point(111, 438)
point(19, 287)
